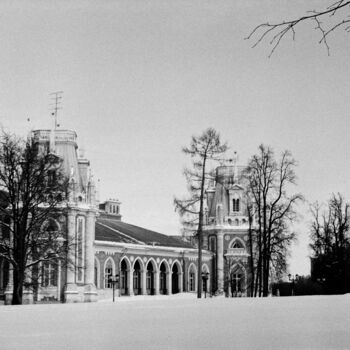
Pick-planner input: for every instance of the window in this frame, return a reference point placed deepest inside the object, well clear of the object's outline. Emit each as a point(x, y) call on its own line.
point(137, 277)
point(51, 175)
point(49, 275)
point(108, 275)
point(236, 283)
point(192, 281)
point(212, 243)
point(237, 244)
point(149, 280)
point(149, 276)
point(123, 275)
point(235, 205)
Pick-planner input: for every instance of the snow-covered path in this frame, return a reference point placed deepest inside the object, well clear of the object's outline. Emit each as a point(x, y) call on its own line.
point(180, 322)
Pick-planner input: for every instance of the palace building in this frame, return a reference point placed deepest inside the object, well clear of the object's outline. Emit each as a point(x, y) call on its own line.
point(146, 262)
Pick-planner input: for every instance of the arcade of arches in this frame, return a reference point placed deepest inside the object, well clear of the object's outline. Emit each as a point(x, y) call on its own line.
point(148, 276)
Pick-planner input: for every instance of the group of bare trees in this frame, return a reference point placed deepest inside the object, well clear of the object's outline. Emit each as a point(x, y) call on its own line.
point(33, 188)
point(267, 181)
point(330, 244)
point(267, 189)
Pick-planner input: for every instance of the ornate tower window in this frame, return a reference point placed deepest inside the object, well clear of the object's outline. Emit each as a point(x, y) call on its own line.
point(235, 205)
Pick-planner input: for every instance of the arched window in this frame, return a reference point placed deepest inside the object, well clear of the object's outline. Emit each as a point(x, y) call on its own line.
point(237, 244)
point(137, 278)
point(123, 277)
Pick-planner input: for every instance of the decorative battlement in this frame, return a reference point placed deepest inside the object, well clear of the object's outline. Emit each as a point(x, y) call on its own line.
point(42, 136)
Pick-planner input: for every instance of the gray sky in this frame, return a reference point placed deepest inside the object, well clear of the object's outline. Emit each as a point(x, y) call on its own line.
point(140, 77)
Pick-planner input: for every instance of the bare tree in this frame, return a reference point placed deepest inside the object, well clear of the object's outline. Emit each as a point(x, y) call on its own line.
point(33, 188)
point(335, 16)
point(330, 242)
point(202, 149)
point(267, 185)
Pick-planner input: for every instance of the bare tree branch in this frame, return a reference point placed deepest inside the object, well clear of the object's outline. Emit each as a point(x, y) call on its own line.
point(324, 25)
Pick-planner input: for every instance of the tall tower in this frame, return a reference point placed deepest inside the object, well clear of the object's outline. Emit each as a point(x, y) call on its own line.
point(226, 230)
point(79, 223)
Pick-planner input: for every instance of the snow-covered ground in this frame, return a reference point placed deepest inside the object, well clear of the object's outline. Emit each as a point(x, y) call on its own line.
point(180, 322)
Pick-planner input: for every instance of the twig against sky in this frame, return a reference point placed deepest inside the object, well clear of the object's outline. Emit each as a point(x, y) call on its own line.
point(327, 21)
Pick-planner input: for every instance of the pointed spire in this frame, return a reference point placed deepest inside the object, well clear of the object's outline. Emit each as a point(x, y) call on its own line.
point(235, 167)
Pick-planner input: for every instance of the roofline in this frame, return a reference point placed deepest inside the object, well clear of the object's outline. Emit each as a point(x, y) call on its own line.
point(156, 247)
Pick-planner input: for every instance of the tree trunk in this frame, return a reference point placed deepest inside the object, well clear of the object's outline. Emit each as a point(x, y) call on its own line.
point(251, 260)
point(200, 232)
point(18, 278)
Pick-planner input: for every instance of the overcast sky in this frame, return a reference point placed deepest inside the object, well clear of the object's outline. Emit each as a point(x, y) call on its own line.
point(140, 77)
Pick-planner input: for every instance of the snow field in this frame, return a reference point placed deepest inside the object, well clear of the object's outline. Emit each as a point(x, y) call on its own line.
point(180, 322)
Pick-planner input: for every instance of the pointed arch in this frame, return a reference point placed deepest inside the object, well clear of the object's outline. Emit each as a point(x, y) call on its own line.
point(176, 277)
point(177, 262)
point(237, 241)
point(127, 261)
point(108, 271)
point(151, 276)
point(153, 262)
point(125, 269)
point(206, 287)
point(164, 270)
point(140, 262)
point(166, 264)
point(138, 270)
point(51, 224)
point(238, 280)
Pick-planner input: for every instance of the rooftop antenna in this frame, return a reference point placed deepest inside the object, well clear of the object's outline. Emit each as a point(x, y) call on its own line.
point(56, 97)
